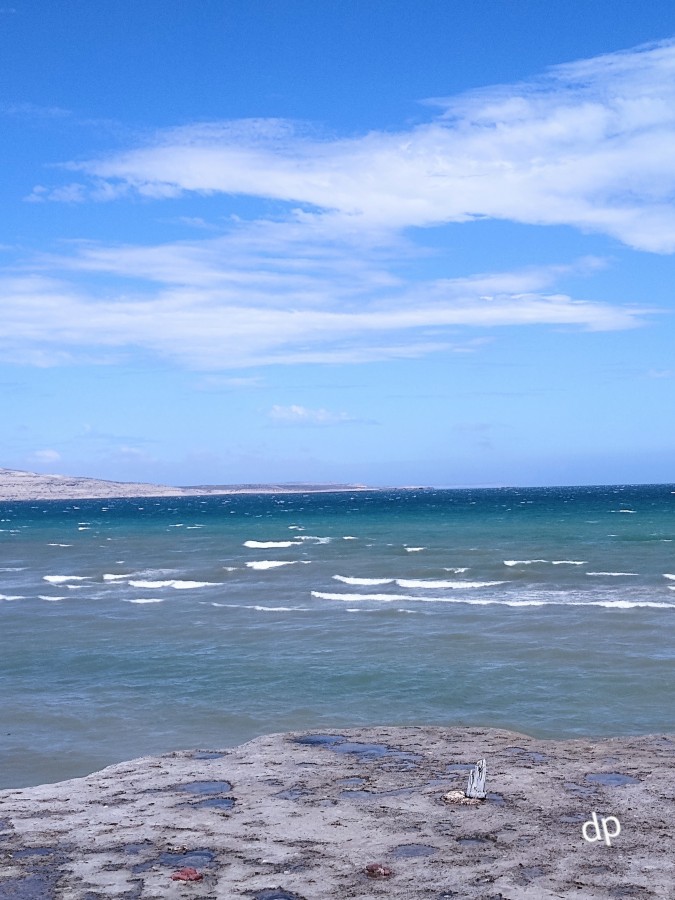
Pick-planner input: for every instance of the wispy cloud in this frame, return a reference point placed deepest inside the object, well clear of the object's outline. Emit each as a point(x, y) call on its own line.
point(46, 456)
point(261, 318)
point(331, 278)
point(589, 144)
point(301, 415)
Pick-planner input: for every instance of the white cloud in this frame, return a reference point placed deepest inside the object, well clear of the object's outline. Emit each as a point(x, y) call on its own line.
point(47, 456)
point(589, 145)
point(301, 415)
point(277, 317)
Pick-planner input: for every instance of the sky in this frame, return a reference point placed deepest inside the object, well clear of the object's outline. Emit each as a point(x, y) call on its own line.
point(393, 242)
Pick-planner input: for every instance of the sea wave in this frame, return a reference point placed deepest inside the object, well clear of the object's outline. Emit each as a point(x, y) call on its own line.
point(387, 598)
point(177, 583)
point(278, 608)
point(568, 562)
point(265, 545)
point(523, 562)
point(413, 549)
point(263, 564)
point(51, 599)
point(12, 597)
point(348, 579)
point(145, 600)
point(457, 570)
point(62, 579)
point(428, 583)
point(616, 574)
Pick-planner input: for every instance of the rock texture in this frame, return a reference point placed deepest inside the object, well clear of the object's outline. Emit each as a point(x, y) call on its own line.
point(359, 814)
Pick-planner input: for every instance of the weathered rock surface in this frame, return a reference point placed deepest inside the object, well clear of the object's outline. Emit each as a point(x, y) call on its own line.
point(301, 816)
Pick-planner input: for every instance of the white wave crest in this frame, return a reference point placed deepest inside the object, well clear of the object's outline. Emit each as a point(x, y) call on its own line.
point(315, 538)
point(347, 579)
point(413, 549)
point(12, 597)
point(278, 608)
point(145, 600)
point(109, 577)
point(51, 599)
point(568, 562)
point(275, 563)
point(387, 598)
point(59, 545)
point(177, 583)
point(616, 574)
point(523, 562)
point(669, 577)
point(265, 545)
point(62, 579)
point(349, 537)
point(422, 583)
point(457, 570)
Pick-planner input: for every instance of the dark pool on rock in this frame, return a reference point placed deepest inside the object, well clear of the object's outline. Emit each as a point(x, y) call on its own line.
point(612, 779)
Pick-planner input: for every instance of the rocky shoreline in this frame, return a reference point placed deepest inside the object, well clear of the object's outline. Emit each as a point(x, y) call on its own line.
point(355, 814)
point(17, 485)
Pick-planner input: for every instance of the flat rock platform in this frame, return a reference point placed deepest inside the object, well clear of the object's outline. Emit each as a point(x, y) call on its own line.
point(300, 816)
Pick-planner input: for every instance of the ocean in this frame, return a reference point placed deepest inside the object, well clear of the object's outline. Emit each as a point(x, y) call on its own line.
point(130, 627)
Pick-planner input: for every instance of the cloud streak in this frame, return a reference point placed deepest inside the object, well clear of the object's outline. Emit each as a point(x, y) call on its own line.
point(589, 145)
point(292, 319)
point(301, 415)
point(332, 278)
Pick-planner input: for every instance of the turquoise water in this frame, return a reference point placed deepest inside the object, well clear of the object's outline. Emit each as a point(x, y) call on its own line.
point(138, 626)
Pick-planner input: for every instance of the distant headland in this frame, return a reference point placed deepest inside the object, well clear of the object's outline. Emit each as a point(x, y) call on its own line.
point(16, 484)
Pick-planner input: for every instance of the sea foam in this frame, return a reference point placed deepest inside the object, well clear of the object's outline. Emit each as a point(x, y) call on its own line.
point(266, 545)
point(348, 579)
point(523, 562)
point(177, 583)
point(263, 564)
point(423, 583)
point(62, 579)
point(145, 600)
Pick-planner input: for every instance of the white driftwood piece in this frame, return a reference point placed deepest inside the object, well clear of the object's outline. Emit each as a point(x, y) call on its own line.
point(476, 788)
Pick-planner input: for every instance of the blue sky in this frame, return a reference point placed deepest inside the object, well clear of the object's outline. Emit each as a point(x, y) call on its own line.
point(391, 242)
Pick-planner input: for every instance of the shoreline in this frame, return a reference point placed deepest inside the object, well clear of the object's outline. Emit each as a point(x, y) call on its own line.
point(300, 816)
point(18, 486)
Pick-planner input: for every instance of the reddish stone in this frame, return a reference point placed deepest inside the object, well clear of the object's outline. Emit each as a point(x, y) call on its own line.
point(377, 870)
point(187, 874)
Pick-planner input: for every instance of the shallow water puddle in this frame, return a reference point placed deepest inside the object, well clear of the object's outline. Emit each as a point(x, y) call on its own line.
point(340, 744)
point(475, 840)
point(213, 803)
point(196, 859)
point(612, 779)
point(410, 851)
